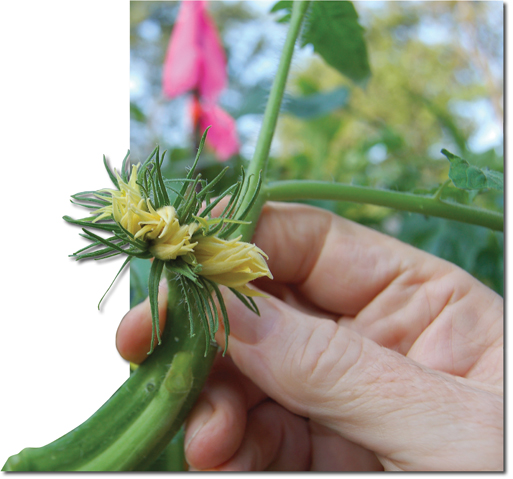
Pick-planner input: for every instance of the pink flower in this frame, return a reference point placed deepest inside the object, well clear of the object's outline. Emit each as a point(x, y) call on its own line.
point(195, 61)
point(222, 136)
point(195, 58)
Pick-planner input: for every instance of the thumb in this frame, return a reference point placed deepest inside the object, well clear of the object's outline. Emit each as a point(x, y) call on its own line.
point(411, 416)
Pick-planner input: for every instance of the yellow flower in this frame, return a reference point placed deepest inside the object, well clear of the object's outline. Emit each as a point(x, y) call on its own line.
point(126, 203)
point(232, 263)
point(162, 230)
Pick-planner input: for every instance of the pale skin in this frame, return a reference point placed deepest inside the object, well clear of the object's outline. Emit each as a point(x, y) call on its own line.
point(369, 354)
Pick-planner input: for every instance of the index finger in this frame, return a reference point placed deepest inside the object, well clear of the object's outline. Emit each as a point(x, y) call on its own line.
point(337, 264)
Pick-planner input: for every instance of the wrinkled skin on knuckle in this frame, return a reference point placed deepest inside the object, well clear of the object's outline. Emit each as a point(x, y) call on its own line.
point(316, 371)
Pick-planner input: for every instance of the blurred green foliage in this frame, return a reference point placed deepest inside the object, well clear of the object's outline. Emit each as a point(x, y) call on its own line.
point(436, 83)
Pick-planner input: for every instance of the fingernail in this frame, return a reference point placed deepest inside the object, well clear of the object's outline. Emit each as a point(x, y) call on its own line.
point(198, 418)
point(247, 326)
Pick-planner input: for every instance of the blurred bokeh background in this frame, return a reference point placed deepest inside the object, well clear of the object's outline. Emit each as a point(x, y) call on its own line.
point(437, 82)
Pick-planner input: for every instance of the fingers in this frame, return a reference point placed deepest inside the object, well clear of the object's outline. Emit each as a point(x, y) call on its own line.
point(384, 289)
point(133, 337)
point(371, 395)
point(338, 265)
point(231, 428)
point(449, 322)
point(216, 425)
point(331, 452)
point(274, 439)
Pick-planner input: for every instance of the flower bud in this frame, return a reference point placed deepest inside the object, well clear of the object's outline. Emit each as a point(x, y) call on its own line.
point(232, 263)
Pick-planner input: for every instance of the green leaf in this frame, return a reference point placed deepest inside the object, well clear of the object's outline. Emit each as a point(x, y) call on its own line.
point(318, 104)
point(283, 5)
point(469, 177)
point(333, 30)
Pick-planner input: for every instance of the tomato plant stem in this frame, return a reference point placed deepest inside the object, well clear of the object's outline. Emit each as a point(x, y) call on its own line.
point(427, 205)
point(258, 164)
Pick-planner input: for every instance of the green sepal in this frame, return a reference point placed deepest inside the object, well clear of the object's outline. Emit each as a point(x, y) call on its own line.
point(153, 294)
point(240, 217)
point(209, 186)
point(92, 245)
point(115, 253)
point(140, 173)
point(247, 301)
point(98, 195)
point(131, 251)
point(124, 174)
point(131, 239)
point(91, 207)
point(112, 176)
point(194, 289)
point(160, 182)
point(97, 254)
point(110, 244)
point(213, 307)
point(214, 203)
point(224, 313)
point(178, 200)
point(112, 227)
point(180, 267)
point(188, 302)
point(191, 205)
point(232, 207)
point(115, 277)
point(205, 298)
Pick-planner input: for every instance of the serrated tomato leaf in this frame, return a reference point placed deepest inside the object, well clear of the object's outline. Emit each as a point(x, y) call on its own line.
point(332, 28)
point(470, 177)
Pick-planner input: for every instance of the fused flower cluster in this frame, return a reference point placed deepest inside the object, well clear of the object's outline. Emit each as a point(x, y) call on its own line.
point(178, 234)
point(232, 263)
point(160, 228)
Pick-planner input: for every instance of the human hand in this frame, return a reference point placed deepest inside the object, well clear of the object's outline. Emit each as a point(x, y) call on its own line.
point(369, 354)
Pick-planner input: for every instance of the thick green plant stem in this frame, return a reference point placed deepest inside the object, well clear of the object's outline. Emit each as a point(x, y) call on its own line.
point(172, 457)
point(133, 427)
point(258, 165)
point(294, 190)
point(130, 431)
